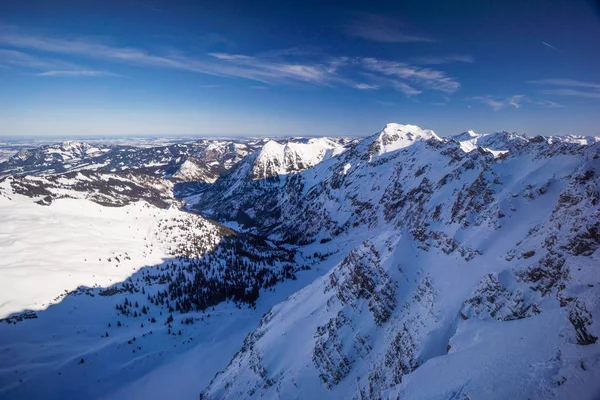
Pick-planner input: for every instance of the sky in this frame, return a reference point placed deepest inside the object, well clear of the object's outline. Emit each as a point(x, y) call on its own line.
point(84, 68)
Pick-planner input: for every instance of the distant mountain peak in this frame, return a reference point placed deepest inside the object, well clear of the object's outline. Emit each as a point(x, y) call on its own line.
point(468, 135)
point(397, 136)
point(291, 157)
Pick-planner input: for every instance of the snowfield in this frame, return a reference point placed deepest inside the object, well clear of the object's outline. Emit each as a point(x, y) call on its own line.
point(49, 250)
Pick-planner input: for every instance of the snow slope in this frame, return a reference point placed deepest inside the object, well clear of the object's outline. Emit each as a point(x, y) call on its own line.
point(49, 250)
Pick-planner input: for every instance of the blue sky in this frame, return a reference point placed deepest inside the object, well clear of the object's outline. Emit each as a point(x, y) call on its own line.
point(298, 67)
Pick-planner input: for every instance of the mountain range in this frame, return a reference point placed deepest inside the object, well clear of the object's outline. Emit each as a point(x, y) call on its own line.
point(401, 265)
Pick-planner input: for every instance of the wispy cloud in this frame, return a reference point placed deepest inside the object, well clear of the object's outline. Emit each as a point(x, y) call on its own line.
point(365, 86)
point(547, 103)
point(515, 101)
point(48, 66)
point(549, 45)
point(381, 29)
point(489, 101)
point(90, 49)
point(382, 81)
point(210, 86)
point(567, 82)
point(14, 58)
point(428, 78)
point(232, 65)
point(77, 73)
point(293, 52)
point(268, 71)
point(152, 8)
point(569, 87)
point(403, 87)
point(445, 101)
point(443, 59)
point(571, 92)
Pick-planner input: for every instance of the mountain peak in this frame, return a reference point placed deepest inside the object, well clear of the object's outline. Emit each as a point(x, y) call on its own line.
point(397, 136)
point(502, 140)
point(73, 143)
point(467, 140)
point(282, 159)
point(468, 135)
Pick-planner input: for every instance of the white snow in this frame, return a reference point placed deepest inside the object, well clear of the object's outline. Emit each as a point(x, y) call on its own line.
point(47, 250)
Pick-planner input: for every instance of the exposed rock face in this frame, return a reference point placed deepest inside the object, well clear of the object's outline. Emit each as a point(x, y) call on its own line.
point(329, 355)
point(581, 319)
point(491, 300)
point(360, 276)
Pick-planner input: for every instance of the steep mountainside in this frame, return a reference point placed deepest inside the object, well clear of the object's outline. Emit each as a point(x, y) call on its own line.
point(473, 274)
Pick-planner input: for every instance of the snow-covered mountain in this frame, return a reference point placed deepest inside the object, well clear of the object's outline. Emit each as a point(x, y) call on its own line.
point(196, 161)
point(403, 265)
point(201, 161)
point(275, 159)
point(104, 188)
point(468, 140)
point(469, 269)
point(503, 141)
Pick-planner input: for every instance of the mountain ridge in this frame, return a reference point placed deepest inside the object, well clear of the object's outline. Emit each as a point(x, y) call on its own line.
point(436, 210)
